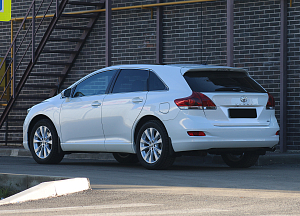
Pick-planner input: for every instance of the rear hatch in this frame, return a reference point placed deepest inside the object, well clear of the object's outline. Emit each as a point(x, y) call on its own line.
point(239, 100)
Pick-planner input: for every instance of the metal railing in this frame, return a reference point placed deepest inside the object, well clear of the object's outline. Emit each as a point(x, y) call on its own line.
point(8, 80)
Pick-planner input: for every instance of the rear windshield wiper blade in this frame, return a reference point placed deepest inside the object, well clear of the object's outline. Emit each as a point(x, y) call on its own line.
point(236, 89)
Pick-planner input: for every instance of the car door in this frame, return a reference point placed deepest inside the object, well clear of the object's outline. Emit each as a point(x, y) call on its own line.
point(121, 108)
point(80, 117)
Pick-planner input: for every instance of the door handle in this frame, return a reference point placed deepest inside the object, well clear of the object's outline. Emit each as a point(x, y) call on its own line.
point(96, 104)
point(137, 100)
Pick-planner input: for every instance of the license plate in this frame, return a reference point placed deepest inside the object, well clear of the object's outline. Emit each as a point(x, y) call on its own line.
point(242, 113)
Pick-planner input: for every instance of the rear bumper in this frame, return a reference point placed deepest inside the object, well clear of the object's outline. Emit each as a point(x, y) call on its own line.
point(222, 145)
point(219, 137)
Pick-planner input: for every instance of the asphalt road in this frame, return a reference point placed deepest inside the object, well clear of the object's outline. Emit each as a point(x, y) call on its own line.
point(185, 189)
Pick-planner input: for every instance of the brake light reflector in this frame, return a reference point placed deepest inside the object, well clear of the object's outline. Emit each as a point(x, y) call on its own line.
point(196, 101)
point(196, 133)
point(271, 102)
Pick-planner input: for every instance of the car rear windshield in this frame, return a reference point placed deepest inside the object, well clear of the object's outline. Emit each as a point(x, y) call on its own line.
point(223, 81)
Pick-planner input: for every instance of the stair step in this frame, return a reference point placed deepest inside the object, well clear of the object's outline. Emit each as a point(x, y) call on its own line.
point(47, 74)
point(12, 141)
point(10, 131)
point(71, 27)
point(15, 120)
point(85, 3)
point(54, 63)
point(33, 97)
point(79, 15)
point(20, 108)
point(40, 86)
point(65, 39)
point(59, 51)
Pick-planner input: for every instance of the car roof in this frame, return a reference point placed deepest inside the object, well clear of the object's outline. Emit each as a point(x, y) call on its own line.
point(184, 67)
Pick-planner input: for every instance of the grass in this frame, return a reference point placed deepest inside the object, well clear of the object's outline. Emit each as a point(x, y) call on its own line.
point(6, 192)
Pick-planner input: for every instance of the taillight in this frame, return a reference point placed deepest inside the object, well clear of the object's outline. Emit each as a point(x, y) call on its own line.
point(271, 102)
point(196, 101)
point(277, 133)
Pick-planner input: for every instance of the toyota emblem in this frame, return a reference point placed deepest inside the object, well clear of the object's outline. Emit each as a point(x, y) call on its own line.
point(244, 99)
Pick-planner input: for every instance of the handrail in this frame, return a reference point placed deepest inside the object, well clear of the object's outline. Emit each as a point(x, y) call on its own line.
point(123, 8)
point(13, 49)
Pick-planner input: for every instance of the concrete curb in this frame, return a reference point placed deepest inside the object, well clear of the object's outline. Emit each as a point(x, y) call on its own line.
point(49, 189)
point(20, 182)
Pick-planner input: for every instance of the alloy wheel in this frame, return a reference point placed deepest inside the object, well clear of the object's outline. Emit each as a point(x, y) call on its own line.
point(151, 145)
point(42, 142)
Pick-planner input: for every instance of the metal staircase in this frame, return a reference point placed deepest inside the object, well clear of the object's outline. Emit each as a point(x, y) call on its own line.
point(35, 73)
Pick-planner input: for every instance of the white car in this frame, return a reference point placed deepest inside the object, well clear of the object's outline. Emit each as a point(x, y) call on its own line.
point(154, 113)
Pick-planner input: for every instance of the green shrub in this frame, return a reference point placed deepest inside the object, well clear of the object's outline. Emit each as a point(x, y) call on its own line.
point(6, 192)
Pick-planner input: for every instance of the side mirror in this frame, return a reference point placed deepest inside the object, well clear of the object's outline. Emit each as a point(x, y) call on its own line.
point(66, 93)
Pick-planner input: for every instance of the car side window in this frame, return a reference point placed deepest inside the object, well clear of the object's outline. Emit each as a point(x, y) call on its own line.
point(155, 84)
point(94, 85)
point(131, 80)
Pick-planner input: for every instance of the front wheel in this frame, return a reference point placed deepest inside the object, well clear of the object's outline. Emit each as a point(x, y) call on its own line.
point(44, 143)
point(244, 160)
point(153, 146)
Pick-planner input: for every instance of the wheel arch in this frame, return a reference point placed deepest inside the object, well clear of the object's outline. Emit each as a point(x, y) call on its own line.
point(141, 122)
point(34, 121)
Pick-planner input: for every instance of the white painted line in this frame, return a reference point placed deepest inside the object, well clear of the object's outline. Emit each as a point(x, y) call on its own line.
point(49, 189)
point(162, 212)
point(77, 208)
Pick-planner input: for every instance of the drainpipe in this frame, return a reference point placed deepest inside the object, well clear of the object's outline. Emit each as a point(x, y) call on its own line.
point(230, 17)
point(159, 34)
point(108, 33)
point(283, 75)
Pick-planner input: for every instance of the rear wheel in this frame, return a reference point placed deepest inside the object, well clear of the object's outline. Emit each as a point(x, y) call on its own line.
point(125, 158)
point(153, 146)
point(244, 160)
point(44, 143)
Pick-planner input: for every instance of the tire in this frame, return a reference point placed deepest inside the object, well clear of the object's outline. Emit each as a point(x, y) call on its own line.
point(125, 158)
point(244, 160)
point(44, 143)
point(153, 146)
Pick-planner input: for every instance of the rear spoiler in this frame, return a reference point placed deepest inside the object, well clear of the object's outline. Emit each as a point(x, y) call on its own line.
point(184, 70)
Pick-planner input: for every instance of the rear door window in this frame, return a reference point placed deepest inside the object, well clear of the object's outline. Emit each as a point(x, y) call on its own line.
point(221, 81)
point(131, 80)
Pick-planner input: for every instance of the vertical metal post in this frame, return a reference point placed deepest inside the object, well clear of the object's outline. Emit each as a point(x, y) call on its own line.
point(108, 33)
point(11, 55)
point(57, 7)
point(159, 34)
point(230, 20)
point(6, 131)
point(13, 70)
point(283, 75)
point(33, 32)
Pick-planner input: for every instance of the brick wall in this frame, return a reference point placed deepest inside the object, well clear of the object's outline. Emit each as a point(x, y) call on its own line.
point(193, 33)
point(293, 77)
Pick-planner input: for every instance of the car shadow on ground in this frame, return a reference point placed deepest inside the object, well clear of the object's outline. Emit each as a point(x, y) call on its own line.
point(177, 166)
